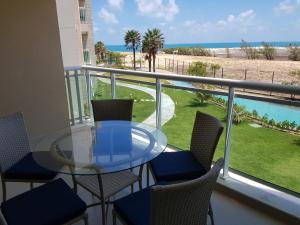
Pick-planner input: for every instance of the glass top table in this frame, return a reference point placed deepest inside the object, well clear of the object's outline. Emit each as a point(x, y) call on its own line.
point(101, 147)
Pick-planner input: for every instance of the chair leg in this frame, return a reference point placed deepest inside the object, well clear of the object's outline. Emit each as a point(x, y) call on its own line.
point(148, 176)
point(140, 184)
point(4, 190)
point(86, 219)
point(114, 217)
point(106, 212)
point(131, 188)
point(103, 213)
point(31, 185)
point(211, 214)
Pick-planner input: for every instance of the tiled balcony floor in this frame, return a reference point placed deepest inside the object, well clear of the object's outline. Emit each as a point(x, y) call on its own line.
point(227, 210)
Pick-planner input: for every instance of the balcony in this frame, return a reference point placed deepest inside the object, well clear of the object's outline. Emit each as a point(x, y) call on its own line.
point(249, 148)
point(86, 57)
point(82, 13)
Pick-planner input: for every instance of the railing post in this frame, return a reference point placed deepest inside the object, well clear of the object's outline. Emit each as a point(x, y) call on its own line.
point(78, 96)
point(158, 103)
point(113, 85)
point(70, 98)
point(228, 132)
point(89, 90)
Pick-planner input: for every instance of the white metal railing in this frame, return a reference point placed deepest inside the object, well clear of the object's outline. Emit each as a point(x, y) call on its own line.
point(231, 84)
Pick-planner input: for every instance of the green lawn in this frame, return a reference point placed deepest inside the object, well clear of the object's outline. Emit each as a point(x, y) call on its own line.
point(271, 155)
point(141, 109)
point(268, 154)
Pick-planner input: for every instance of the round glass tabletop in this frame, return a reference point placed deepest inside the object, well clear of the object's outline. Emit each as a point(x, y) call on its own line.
point(102, 147)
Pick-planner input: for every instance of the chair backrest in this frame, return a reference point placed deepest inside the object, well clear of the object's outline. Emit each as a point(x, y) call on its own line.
point(14, 142)
point(184, 203)
point(205, 137)
point(112, 109)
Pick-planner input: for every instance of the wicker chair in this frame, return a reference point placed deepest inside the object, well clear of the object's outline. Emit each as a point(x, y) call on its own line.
point(54, 203)
point(173, 167)
point(183, 203)
point(115, 109)
point(16, 160)
point(106, 185)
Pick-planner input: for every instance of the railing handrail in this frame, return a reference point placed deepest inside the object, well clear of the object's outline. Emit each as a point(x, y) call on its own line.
point(262, 86)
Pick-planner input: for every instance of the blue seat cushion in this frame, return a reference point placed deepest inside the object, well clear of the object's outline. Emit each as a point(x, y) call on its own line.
point(28, 169)
point(51, 204)
point(176, 166)
point(135, 208)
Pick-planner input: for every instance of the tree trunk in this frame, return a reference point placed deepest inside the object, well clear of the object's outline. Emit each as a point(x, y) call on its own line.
point(134, 58)
point(149, 61)
point(153, 62)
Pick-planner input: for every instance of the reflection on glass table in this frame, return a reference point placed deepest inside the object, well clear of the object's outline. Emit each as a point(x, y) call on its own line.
point(101, 147)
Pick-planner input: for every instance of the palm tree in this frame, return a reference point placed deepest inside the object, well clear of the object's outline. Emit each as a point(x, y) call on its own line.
point(132, 41)
point(153, 41)
point(147, 49)
point(100, 51)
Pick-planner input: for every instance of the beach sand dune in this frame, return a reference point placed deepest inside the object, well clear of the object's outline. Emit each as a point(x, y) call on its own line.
point(237, 67)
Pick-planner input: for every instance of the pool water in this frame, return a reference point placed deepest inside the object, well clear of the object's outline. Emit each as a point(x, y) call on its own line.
point(275, 111)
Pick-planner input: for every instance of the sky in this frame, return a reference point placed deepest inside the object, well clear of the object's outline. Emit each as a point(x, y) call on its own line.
point(198, 21)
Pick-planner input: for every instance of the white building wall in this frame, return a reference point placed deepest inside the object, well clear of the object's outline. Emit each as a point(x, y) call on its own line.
point(70, 32)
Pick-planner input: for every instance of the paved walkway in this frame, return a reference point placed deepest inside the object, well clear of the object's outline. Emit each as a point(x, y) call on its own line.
point(167, 107)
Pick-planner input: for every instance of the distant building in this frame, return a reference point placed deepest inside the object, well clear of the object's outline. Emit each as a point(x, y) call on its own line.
point(76, 32)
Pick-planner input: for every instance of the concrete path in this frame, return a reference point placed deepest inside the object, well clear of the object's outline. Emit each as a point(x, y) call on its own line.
point(167, 108)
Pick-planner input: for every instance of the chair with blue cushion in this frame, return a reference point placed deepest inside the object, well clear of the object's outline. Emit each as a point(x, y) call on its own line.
point(105, 186)
point(173, 167)
point(53, 203)
point(16, 159)
point(175, 204)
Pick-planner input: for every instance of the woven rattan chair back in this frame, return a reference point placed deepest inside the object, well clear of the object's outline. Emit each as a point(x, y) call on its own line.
point(112, 109)
point(205, 137)
point(184, 203)
point(14, 142)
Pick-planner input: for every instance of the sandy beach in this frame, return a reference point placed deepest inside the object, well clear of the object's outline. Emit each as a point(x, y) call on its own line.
point(235, 67)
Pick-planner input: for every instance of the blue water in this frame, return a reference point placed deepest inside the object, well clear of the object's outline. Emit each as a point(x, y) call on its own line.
point(122, 48)
point(275, 111)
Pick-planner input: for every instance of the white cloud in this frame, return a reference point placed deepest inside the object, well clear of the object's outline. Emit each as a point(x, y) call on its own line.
point(115, 4)
point(287, 7)
point(107, 16)
point(240, 23)
point(165, 9)
point(244, 18)
point(189, 23)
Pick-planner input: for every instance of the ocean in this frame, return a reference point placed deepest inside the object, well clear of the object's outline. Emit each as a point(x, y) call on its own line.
point(122, 48)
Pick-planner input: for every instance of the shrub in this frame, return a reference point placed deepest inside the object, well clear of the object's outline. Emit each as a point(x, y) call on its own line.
point(214, 68)
point(293, 125)
point(285, 124)
point(255, 113)
point(198, 69)
point(272, 122)
point(239, 113)
point(294, 52)
point(298, 128)
point(251, 53)
point(268, 51)
point(265, 118)
point(203, 97)
point(196, 51)
point(115, 58)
